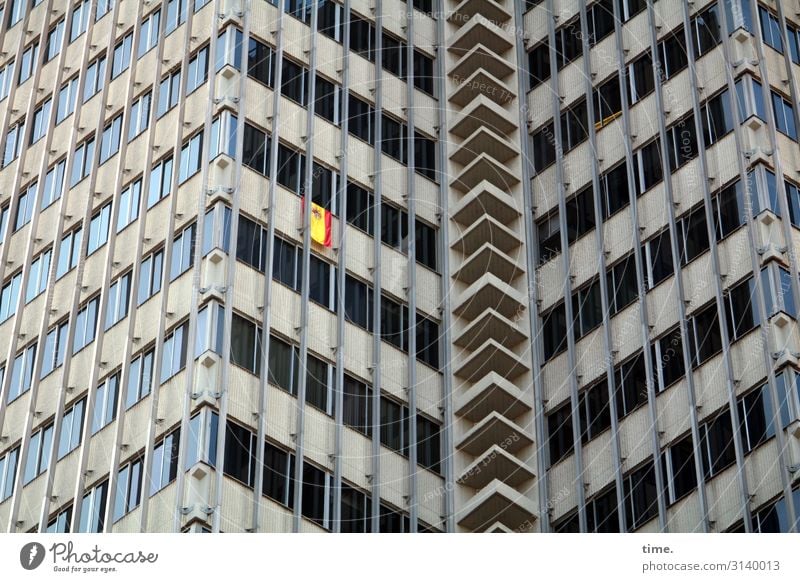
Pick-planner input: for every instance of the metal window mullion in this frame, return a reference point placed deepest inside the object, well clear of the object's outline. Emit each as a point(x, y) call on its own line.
point(340, 282)
point(641, 288)
point(444, 268)
point(678, 278)
point(715, 264)
point(305, 281)
point(197, 267)
point(411, 291)
point(377, 270)
point(263, 381)
point(601, 260)
point(786, 477)
point(166, 281)
point(580, 488)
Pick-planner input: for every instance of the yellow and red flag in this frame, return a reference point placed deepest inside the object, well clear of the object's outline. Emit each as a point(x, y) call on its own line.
point(320, 224)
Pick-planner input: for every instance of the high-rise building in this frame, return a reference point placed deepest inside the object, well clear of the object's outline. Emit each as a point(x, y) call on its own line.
point(363, 265)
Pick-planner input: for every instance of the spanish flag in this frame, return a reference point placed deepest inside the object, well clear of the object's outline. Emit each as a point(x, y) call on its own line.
point(320, 224)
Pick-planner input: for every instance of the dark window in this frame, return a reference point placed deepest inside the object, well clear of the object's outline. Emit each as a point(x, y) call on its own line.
point(549, 231)
point(539, 65)
point(245, 344)
point(291, 165)
point(394, 136)
point(647, 166)
point(784, 116)
point(362, 37)
point(544, 147)
point(554, 331)
point(240, 454)
point(255, 150)
point(394, 323)
point(630, 8)
point(260, 62)
point(705, 338)
point(574, 126)
point(360, 208)
point(672, 55)
point(425, 244)
point(278, 475)
point(681, 143)
point(607, 103)
point(622, 285)
point(559, 429)
point(360, 120)
point(716, 444)
point(678, 461)
point(614, 190)
point(728, 208)
point(756, 417)
point(580, 214)
point(358, 303)
point(393, 56)
point(668, 359)
point(640, 80)
point(770, 29)
point(569, 44)
point(594, 412)
point(355, 511)
point(717, 118)
point(428, 341)
point(587, 308)
point(327, 100)
point(657, 259)
point(631, 385)
point(423, 72)
point(601, 20)
point(740, 310)
point(641, 496)
point(357, 406)
point(424, 156)
point(601, 513)
point(394, 426)
point(693, 235)
point(706, 30)
point(251, 246)
point(294, 83)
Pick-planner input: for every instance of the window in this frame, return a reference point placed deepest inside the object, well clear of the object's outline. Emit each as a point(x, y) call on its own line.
point(105, 403)
point(252, 244)
point(240, 454)
point(55, 346)
point(647, 167)
point(792, 195)
point(260, 62)
point(750, 97)
point(393, 55)
point(423, 73)
point(141, 378)
point(21, 373)
point(716, 118)
point(358, 299)
point(568, 43)
point(362, 37)
point(103, 8)
point(129, 489)
point(705, 338)
point(549, 233)
point(3, 222)
point(25, 205)
point(425, 156)
point(174, 353)
point(95, 78)
point(139, 116)
point(80, 19)
point(672, 55)
point(82, 162)
point(38, 273)
point(246, 344)
point(630, 379)
point(6, 78)
point(98, 229)
point(428, 341)
point(67, 96)
point(681, 145)
point(394, 323)
point(544, 147)
point(770, 29)
point(118, 300)
point(149, 32)
point(716, 444)
point(202, 441)
point(631, 8)
point(169, 91)
point(740, 311)
point(693, 235)
point(27, 63)
point(657, 259)
point(255, 154)
point(293, 82)
point(641, 496)
point(223, 135)
point(110, 140)
point(640, 81)
point(93, 509)
point(594, 413)
point(38, 458)
point(198, 70)
point(554, 331)
point(176, 14)
point(16, 11)
point(291, 168)
point(794, 44)
point(217, 229)
point(160, 182)
point(574, 126)
point(128, 210)
point(614, 194)
point(8, 473)
point(706, 30)
point(784, 116)
point(756, 417)
point(607, 102)
point(539, 65)
point(623, 288)
point(165, 462)
point(667, 353)
point(355, 511)
point(327, 95)
point(150, 276)
point(14, 141)
point(69, 252)
point(559, 430)
point(601, 20)
point(190, 158)
point(678, 466)
point(61, 522)
point(9, 297)
point(601, 513)
point(775, 518)
point(229, 49)
point(71, 429)
point(587, 308)
point(357, 406)
point(360, 210)
point(285, 370)
point(360, 121)
point(53, 184)
point(208, 336)
point(329, 20)
point(394, 136)
point(728, 206)
point(41, 120)
point(122, 56)
point(278, 473)
point(425, 244)
point(86, 325)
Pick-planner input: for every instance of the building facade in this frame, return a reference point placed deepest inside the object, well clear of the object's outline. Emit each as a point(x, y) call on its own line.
point(560, 294)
